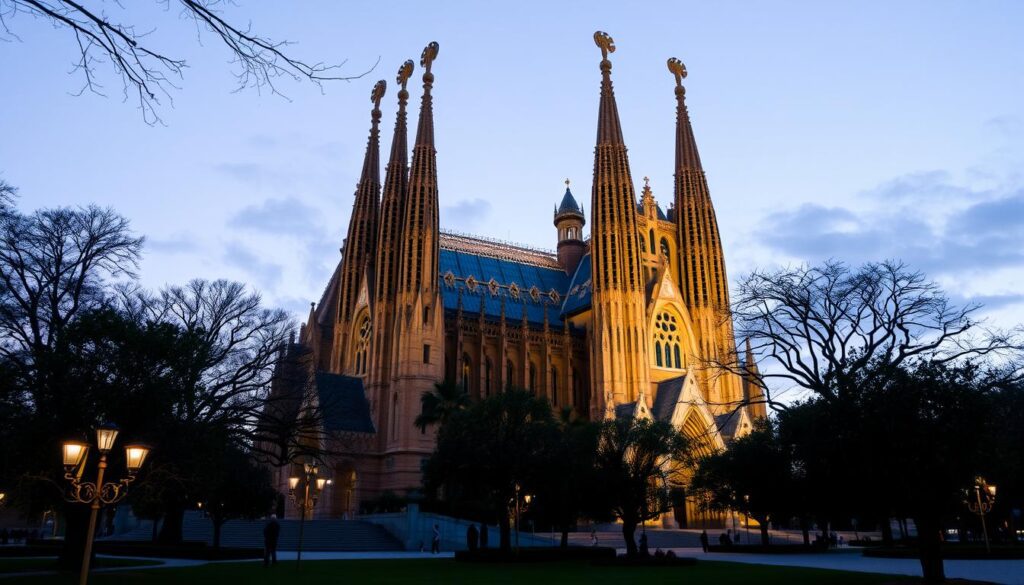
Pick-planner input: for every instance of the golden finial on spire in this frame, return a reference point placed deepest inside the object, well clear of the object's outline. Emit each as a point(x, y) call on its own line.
point(428, 56)
point(405, 72)
point(378, 93)
point(605, 42)
point(676, 67)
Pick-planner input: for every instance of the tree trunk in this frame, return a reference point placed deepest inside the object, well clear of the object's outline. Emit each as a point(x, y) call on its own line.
point(886, 531)
point(170, 531)
point(629, 533)
point(504, 533)
point(218, 523)
point(76, 523)
point(929, 537)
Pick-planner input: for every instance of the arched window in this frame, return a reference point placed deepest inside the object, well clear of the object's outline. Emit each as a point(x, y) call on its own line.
point(487, 376)
point(533, 378)
point(467, 372)
point(554, 386)
point(363, 332)
point(665, 249)
point(667, 341)
point(394, 416)
point(510, 370)
point(652, 239)
point(643, 244)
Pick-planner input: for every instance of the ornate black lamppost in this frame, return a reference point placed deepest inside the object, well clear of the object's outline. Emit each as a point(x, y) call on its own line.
point(981, 504)
point(98, 493)
point(520, 503)
point(305, 492)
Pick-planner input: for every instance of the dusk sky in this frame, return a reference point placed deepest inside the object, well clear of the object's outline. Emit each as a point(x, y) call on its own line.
point(858, 131)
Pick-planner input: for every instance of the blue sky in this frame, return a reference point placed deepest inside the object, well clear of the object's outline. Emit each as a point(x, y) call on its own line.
point(860, 131)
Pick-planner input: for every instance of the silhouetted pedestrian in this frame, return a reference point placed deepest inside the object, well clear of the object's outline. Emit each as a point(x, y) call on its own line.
point(271, 531)
point(472, 535)
point(704, 540)
point(483, 535)
point(435, 543)
point(644, 552)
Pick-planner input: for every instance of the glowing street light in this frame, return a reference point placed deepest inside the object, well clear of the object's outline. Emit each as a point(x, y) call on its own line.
point(306, 497)
point(98, 493)
point(984, 499)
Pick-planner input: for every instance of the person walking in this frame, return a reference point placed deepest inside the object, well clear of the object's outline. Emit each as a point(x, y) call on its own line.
point(435, 544)
point(472, 537)
point(704, 540)
point(644, 551)
point(271, 531)
point(593, 537)
point(483, 535)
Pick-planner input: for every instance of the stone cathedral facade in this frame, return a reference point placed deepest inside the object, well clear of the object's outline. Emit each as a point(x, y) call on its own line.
point(618, 324)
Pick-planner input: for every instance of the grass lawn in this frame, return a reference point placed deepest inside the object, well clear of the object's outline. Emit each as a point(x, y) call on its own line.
point(418, 571)
point(50, 563)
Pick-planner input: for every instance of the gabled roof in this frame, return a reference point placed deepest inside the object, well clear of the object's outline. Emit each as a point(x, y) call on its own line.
point(666, 397)
point(577, 297)
point(343, 403)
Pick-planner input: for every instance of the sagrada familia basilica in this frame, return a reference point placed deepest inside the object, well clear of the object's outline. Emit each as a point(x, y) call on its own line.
point(628, 322)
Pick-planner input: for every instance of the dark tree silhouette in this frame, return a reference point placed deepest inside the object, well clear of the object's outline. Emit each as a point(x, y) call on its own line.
point(147, 72)
point(817, 328)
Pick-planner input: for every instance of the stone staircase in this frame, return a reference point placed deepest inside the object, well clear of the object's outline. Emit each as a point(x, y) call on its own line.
point(318, 535)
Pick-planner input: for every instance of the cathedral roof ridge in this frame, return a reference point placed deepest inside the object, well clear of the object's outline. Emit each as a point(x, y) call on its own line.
point(497, 248)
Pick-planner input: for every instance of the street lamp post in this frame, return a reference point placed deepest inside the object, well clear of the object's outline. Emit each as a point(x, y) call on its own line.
point(746, 516)
point(305, 497)
point(98, 493)
point(520, 508)
point(980, 506)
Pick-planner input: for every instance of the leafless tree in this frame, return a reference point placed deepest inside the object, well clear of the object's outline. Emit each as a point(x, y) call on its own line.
point(249, 377)
point(818, 328)
point(147, 72)
point(54, 265)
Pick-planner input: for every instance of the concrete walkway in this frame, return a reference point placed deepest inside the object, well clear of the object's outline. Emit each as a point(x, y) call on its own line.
point(1009, 572)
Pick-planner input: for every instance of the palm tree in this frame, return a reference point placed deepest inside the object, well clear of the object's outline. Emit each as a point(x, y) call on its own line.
point(446, 399)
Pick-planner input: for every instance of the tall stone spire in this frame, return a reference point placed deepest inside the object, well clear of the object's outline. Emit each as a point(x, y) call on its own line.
point(620, 343)
point(418, 333)
point(389, 246)
point(420, 219)
point(702, 276)
point(362, 233)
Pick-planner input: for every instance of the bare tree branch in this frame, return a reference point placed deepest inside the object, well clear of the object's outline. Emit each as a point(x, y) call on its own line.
point(818, 328)
point(148, 73)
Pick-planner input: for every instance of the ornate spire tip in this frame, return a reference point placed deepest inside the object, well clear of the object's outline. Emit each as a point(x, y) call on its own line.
point(676, 67)
point(405, 72)
point(605, 42)
point(428, 56)
point(377, 94)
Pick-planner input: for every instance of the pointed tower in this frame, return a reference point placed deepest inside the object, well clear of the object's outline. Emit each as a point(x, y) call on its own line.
point(388, 249)
point(569, 222)
point(702, 275)
point(753, 393)
point(419, 315)
point(362, 237)
point(619, 344)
